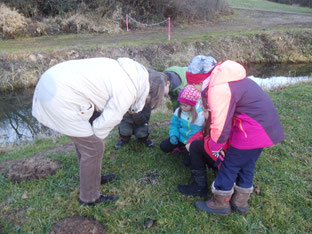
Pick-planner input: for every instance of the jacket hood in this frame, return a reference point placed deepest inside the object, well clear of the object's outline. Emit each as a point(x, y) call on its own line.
point(139, 76)
point(226, 72)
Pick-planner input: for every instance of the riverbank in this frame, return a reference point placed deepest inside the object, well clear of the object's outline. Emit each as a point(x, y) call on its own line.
point(246, 36)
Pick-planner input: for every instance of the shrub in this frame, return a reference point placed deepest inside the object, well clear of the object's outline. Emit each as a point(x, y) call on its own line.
point(12, 24)
point(198, 9)
point(38, 8)
point(86, 23)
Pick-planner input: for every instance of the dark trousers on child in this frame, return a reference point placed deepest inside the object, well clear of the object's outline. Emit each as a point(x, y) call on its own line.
point(199, 157)
point(127, 129)
point(167, 147)
point(237, 167)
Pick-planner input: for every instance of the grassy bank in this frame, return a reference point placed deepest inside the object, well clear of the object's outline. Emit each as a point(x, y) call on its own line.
point(22, 70)
point(283, 178)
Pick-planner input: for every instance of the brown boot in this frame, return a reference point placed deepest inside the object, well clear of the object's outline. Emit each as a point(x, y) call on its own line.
point(219, 203)
point(239, 200)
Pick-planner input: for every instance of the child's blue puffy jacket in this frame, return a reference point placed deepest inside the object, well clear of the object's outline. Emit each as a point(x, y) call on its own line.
point(182, 127)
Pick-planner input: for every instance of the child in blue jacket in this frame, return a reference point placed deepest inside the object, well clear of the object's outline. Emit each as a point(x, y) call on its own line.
point(186, 121)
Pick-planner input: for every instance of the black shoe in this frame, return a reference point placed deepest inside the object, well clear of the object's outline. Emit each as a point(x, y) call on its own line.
point(149, 143)
point(193, 190)
point(198, 185)
point(120, 143)
point(108, 178)
point(102, 199)
point(187, 159)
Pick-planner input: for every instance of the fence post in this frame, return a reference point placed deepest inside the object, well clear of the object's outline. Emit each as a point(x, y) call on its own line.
point(169, 28)
point(127, 22)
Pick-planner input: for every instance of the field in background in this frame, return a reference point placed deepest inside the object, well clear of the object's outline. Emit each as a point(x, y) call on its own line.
point(267, 5)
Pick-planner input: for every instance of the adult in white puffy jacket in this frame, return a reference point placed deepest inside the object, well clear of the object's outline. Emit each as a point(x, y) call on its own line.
point(71, 94)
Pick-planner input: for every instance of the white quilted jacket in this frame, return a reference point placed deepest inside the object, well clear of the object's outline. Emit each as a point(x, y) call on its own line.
point(68, 93)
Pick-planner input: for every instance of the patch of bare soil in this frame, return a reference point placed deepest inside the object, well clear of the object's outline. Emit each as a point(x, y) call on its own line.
point(32, 168)
point(78, 225)
point(38, 166)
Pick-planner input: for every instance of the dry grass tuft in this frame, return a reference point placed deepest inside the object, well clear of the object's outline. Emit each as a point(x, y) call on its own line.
point(87, 23)
point(12, 23)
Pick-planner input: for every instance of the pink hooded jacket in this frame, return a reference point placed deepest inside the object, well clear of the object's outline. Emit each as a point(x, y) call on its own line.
point(241, 111)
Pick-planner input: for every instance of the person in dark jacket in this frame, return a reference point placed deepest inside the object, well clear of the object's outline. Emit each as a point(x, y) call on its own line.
point(242, 113)
point(138, 124)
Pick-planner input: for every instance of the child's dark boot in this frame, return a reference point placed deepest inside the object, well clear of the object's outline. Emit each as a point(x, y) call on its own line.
point(122, 141)
point(198, 186)
point(148, 142)
point(187, 159)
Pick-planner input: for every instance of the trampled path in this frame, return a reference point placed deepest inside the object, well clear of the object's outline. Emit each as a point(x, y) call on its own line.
point(243, 20)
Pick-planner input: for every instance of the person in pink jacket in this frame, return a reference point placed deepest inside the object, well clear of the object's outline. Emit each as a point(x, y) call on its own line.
point(241, 113)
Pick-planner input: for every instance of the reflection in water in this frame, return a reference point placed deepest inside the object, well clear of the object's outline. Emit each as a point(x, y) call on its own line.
point(17, 123)
point(276, 82)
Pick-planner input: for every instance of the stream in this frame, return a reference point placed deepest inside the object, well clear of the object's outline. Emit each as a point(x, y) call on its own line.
point(17, 124)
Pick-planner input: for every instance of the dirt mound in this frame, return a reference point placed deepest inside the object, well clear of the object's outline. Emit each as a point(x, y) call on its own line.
point(35, 167)
point(78, 225)
point(32, 168)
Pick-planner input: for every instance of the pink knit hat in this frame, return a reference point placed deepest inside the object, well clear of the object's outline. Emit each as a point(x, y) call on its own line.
point(189, 95)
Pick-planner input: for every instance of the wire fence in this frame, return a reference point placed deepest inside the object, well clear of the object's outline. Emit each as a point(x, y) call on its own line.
point(148, 25)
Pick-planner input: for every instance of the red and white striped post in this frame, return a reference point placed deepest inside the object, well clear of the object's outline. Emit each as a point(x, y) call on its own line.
point(169, 28)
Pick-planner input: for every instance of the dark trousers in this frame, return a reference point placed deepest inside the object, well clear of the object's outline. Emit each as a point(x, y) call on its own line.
point(167, 147)
point(179, 148)
point(237, 167)
point(126, 130)
point(199, 157)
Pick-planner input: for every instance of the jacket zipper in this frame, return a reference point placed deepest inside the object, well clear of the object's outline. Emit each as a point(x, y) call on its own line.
point(240, 126)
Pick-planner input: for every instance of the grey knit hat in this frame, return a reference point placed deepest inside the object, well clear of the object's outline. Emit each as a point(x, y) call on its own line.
point(201, 64)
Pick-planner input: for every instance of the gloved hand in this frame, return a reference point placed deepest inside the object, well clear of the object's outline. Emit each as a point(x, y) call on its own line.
point(174, 140)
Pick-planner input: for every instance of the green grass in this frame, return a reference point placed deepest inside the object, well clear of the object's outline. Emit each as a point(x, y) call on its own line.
point(77, 41)
point(267, 5)
point(283, 175)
